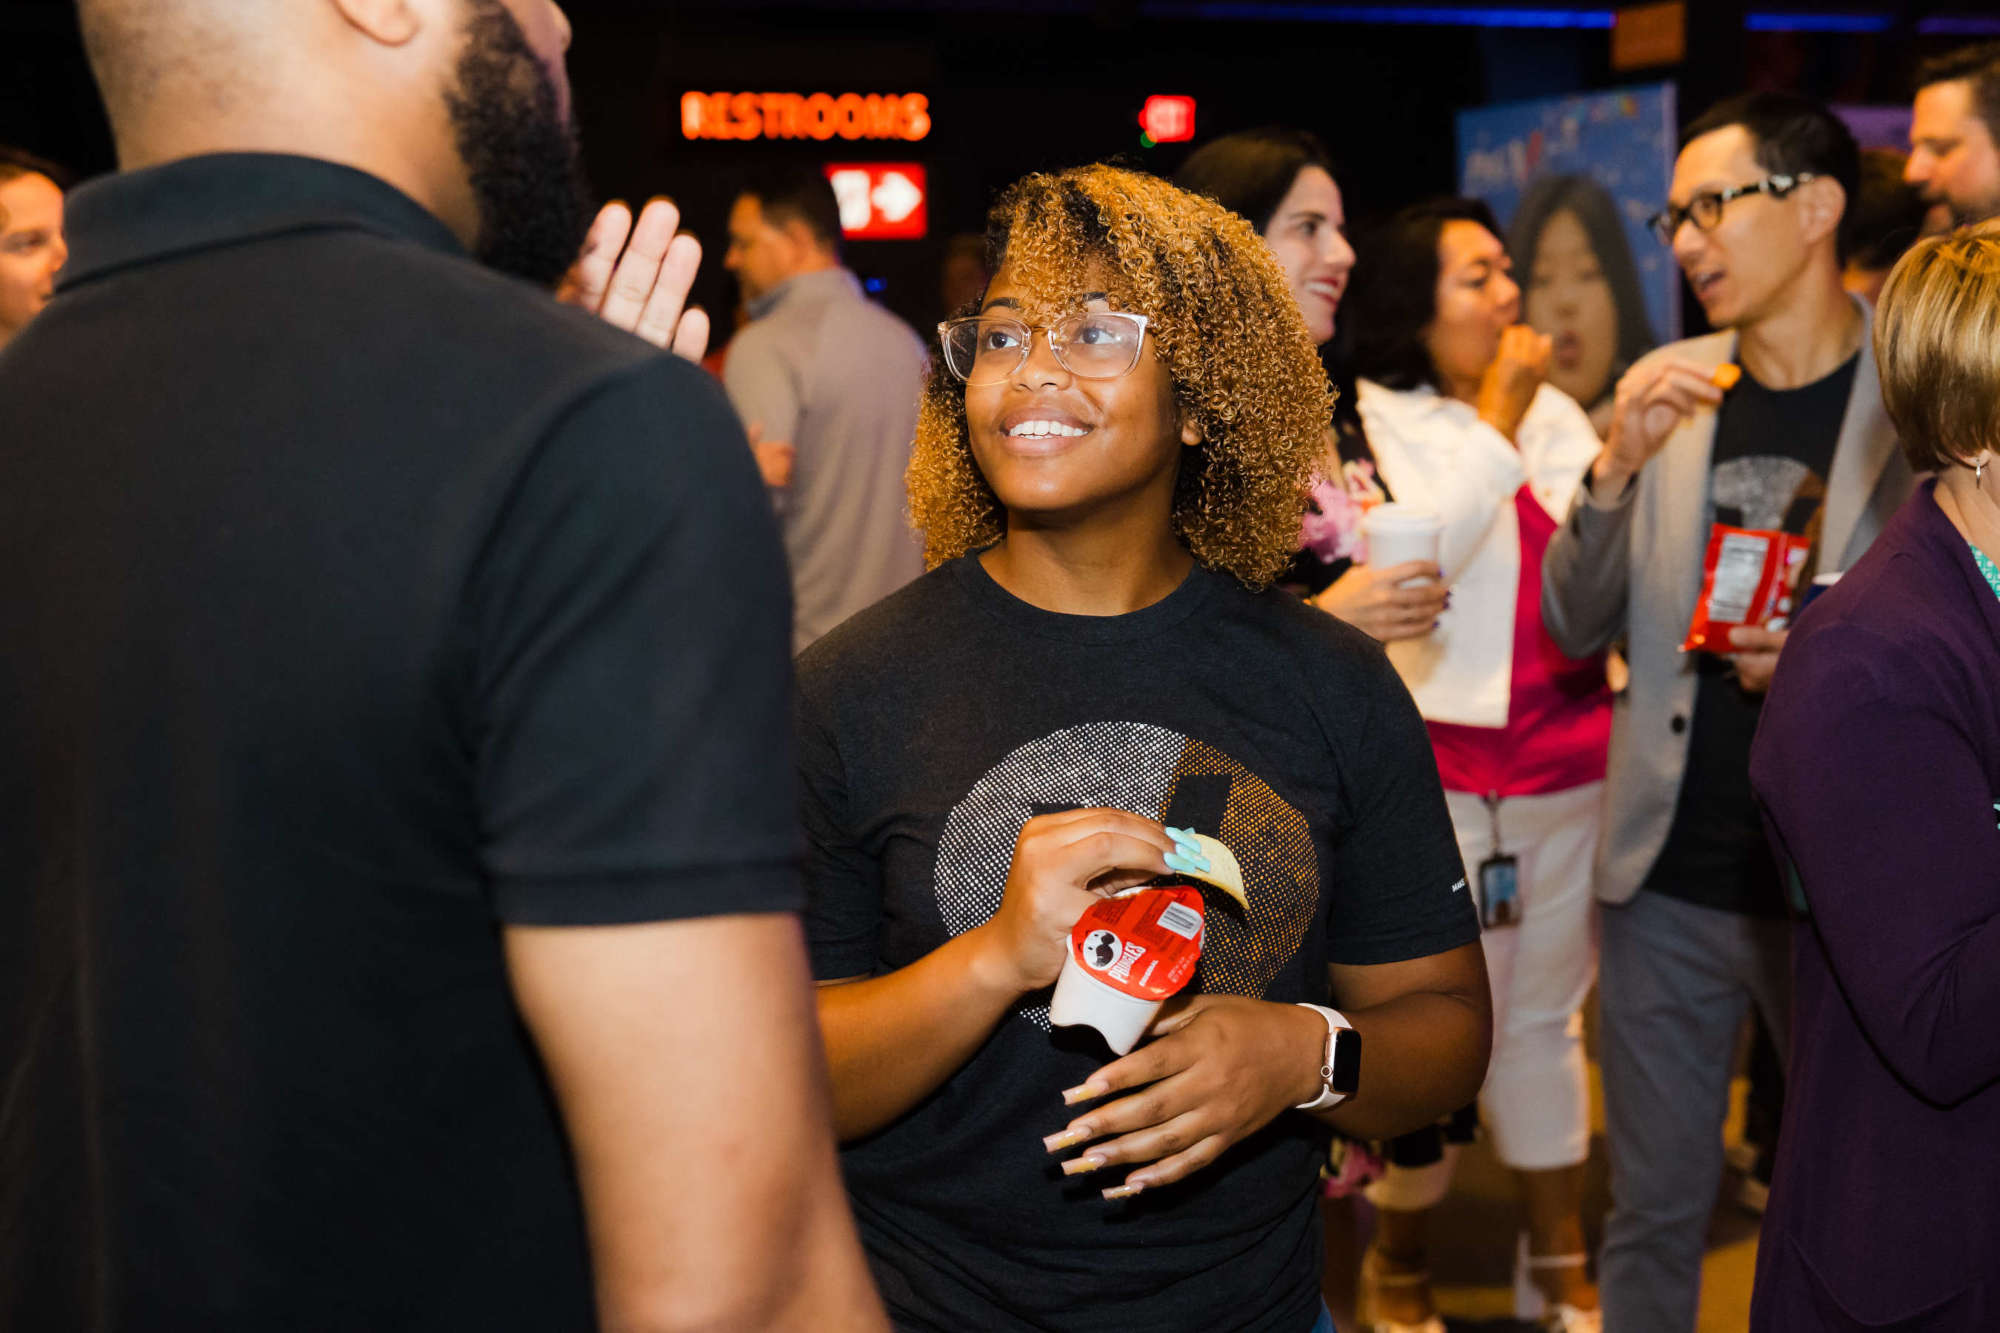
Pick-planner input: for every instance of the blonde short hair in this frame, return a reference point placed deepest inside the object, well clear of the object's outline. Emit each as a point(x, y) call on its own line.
point(1937, 348)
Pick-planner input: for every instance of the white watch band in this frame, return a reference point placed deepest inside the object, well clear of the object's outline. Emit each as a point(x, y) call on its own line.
point(1335, 1021)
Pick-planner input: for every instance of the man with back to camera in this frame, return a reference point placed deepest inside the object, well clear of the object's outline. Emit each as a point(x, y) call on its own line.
point(1693, 921)
point(370, 721)
point(1955, 135)
point(826, 382)
point(31, 237)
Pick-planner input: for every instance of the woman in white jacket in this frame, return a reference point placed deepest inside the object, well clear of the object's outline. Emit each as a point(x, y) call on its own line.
point(1461, 422)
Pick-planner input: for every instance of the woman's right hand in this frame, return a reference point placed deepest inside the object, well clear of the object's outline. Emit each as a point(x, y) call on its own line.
point(1062, 864)
point(1376, 601)
point(1508, 387)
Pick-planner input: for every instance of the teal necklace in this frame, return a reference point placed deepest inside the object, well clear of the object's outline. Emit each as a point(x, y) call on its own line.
point(1987, 567)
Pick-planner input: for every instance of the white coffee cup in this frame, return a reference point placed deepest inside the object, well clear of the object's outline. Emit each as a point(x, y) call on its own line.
point(1399, 533)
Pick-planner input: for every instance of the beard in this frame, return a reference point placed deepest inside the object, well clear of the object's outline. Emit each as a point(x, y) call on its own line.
point(520, 154)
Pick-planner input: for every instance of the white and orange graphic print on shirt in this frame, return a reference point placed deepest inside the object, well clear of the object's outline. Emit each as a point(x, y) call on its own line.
point(1160, 774)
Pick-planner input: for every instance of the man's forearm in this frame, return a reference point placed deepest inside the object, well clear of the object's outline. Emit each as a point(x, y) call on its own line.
point(1608, 480)
point(1586, 569)
point(686, 1062)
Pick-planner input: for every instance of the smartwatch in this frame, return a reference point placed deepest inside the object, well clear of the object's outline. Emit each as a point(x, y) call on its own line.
point(1340, 1072)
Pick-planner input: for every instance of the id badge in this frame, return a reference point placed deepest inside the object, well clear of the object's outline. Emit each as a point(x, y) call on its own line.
point(1499, 891)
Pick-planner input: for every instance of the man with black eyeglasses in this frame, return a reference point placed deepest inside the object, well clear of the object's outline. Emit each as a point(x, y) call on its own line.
point(1694, 926)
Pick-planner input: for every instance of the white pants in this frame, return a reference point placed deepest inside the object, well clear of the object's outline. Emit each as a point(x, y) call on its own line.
point(1536, 1101)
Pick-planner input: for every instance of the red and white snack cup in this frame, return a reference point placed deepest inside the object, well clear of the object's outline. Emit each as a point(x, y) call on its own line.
point(1127, 955)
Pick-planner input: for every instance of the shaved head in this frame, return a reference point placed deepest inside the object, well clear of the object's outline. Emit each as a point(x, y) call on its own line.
point(145, 54)
point(461, 104)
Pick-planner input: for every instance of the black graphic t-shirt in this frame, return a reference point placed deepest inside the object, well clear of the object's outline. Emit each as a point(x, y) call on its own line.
point(937, 723)
point(1773, 454)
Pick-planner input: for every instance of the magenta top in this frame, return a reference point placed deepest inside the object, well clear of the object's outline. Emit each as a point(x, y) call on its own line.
point(1558, 708)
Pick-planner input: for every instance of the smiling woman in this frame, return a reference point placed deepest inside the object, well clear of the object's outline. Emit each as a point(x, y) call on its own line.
point(1241, 373)
point(1110, 464)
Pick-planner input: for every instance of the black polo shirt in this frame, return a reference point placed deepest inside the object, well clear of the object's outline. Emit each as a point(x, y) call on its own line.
point(355, 602)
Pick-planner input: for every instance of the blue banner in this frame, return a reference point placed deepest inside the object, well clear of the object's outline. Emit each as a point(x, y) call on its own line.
point(1573, 180)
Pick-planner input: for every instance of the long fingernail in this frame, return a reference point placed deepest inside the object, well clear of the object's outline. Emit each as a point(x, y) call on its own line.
point(1185, 837)
point(1123, 1191)
point(1069, 1138)
point(1077, 1166)
point(1187, 865)
point(1082, 1092)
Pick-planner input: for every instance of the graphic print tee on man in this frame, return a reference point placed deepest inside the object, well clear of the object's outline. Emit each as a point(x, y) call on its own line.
point(1773, 454)
point(932, 727)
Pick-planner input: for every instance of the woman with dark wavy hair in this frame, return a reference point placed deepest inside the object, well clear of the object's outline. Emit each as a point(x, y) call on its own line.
point(1109, 467)
point(1281, 180)
point(1455, 400)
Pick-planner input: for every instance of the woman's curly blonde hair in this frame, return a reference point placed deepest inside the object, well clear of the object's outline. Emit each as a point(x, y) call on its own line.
point(1221, 314)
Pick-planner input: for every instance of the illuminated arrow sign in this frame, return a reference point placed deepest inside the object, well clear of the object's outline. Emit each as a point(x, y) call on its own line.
point(896, 197)
point(880, 201)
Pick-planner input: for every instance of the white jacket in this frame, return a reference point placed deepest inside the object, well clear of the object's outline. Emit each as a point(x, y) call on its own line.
point(1435, 453)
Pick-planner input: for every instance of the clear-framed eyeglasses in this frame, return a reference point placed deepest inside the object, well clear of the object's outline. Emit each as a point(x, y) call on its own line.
point(1092, 345)
point(1705, 209)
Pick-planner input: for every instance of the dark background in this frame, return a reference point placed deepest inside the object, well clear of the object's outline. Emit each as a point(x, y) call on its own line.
point(1040, 83)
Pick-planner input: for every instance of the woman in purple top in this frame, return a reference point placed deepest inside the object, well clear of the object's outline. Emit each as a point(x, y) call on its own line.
point(1878, 761)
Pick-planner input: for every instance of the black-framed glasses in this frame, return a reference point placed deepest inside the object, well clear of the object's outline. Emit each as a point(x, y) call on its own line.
point(1705, 209)
point(1092, 344)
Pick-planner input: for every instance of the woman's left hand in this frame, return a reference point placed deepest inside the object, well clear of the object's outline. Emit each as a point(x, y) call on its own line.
point(1220, 1069)
point(1398, 602)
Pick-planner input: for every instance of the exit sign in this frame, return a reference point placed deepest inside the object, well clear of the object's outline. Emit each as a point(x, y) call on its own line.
point(881, 201)
point(1167, 119)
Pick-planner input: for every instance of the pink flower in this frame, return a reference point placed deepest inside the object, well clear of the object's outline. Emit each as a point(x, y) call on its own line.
point(1331, 529)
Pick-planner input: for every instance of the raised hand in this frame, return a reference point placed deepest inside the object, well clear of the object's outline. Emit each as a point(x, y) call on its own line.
point(637, 277)
point(1652, 400)
point(1508, 387)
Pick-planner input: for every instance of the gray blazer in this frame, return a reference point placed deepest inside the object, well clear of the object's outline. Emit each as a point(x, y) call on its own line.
point(1632, 568)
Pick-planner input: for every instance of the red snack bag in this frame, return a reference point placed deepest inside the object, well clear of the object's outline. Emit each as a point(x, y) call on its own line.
point(1748, 577)
point(1126, 956)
